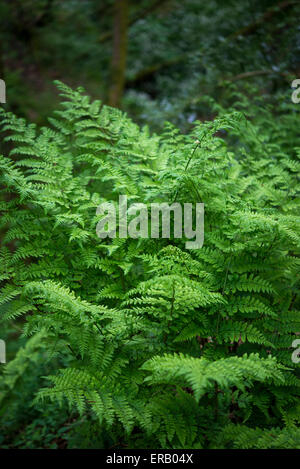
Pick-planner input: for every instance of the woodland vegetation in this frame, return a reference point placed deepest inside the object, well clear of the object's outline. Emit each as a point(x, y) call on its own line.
point(141, 343)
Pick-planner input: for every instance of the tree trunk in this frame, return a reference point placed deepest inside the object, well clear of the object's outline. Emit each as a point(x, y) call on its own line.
point(119, 54)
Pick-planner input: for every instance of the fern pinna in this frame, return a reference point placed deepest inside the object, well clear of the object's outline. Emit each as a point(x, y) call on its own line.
point(163, 346)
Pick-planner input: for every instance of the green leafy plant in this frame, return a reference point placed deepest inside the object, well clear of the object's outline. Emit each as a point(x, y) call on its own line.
point(155, 345)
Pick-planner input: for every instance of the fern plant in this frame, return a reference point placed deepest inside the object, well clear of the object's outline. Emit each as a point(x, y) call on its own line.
point(163, 347)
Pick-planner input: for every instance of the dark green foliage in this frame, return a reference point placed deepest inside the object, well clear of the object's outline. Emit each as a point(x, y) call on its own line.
point(150, 344)
point(178, 51)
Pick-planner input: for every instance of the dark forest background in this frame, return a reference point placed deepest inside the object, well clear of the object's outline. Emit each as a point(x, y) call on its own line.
point(154, 59)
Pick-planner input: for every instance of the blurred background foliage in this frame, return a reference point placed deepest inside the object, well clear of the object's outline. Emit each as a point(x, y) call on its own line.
point(154, 59)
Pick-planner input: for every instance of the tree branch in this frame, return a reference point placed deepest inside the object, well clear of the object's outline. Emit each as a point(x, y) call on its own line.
point(255, 73)
point(267, 16)
point(152, 70)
